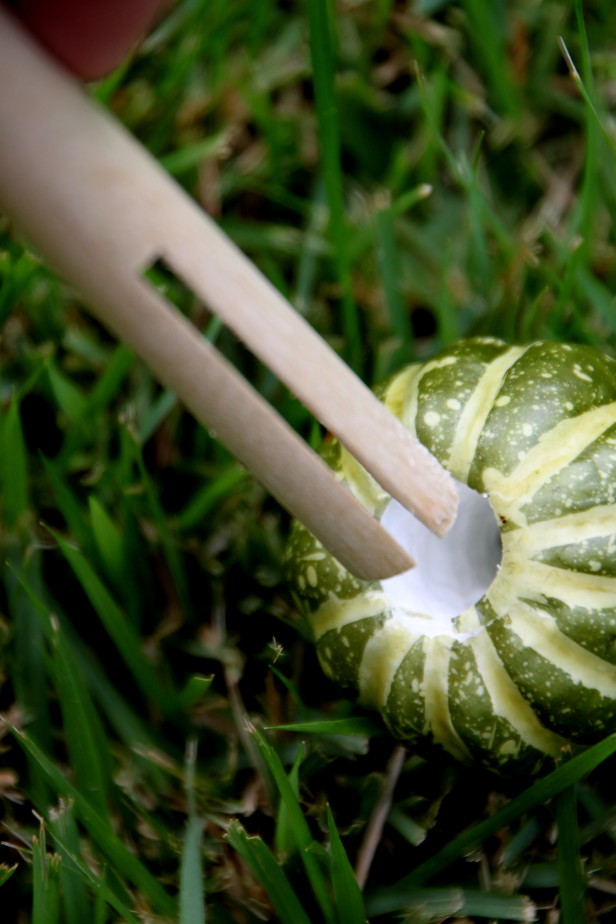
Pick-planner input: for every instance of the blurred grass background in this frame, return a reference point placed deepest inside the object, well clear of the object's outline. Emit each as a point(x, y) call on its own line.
point(406, 173)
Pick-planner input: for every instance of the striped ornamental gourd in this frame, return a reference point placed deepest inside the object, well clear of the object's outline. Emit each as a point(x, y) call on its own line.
point(529, 670)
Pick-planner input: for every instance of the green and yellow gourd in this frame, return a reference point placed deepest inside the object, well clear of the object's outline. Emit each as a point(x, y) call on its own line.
point(529, 670)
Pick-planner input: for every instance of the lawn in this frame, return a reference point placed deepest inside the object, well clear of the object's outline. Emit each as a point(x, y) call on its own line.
point(406, 174)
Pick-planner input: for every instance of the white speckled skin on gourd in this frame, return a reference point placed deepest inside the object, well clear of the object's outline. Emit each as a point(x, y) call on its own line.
point(530, 670)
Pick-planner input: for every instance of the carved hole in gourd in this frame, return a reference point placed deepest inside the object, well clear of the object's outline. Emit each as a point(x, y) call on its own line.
point(452, 573)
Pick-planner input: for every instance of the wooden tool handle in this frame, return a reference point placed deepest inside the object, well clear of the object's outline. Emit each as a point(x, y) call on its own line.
point(102, 210)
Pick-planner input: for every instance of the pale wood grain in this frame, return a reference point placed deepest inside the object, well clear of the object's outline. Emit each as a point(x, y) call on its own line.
point(101, 210)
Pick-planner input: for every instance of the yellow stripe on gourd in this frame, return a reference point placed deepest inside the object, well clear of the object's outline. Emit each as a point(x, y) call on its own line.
point(476, 411)
point(507, 701)
point(533, 580)
point(407, 404)
point(337, 613)
point(570, 529)
point(537, 630)
point(360, 482)
point(436, 691)
point(555, 449)
point(383, 655)
point(396, 397)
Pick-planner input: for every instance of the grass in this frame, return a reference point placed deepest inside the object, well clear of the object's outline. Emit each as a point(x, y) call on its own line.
point(405, 174)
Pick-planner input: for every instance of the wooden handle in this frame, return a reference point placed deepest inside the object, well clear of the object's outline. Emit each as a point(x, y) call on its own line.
point(102, 210)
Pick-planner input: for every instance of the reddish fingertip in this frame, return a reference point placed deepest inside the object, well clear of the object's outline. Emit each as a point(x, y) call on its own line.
point(89, 38)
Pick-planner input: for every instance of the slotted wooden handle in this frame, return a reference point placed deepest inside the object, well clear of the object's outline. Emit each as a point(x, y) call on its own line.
point(102, 210)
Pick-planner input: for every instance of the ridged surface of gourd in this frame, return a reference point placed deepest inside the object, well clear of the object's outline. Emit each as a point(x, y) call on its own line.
point(530, 670)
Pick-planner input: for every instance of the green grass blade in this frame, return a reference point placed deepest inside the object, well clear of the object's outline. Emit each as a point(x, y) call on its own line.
point(13, 470)
point(420, 906)
point(108, 540)
point(572, 882)
point(120, 631)
point(424, 906)
point(584, 91)
point(284, 840)
point(601, 815)
point(544, 789)
point(299, 825)
point(85, 739)
point(109, 383)
point(100, 832)
point(74, 890)
point(192, 900)
point(195, 689)
point(410, 830)
point(45, 882)
point(155, 415)
point(28, 663)
point(487, 29)
point(69, 398)
point(541, 876)
point(590, 190)
point(348, 900)
point(172, 557)
point(77, 876)
point(493, 905)
point(323, 75)
point(388, 258)
point(192, 888)
point(355, 725)
point(308, 262)
point(520, 841)
point(100, 907)
point(267, 870)
point(68, 505)
point(15, 276)
point(129, 726)
point(205, 499)
point(6, 872)
point(194, 155)
point(431, 905)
